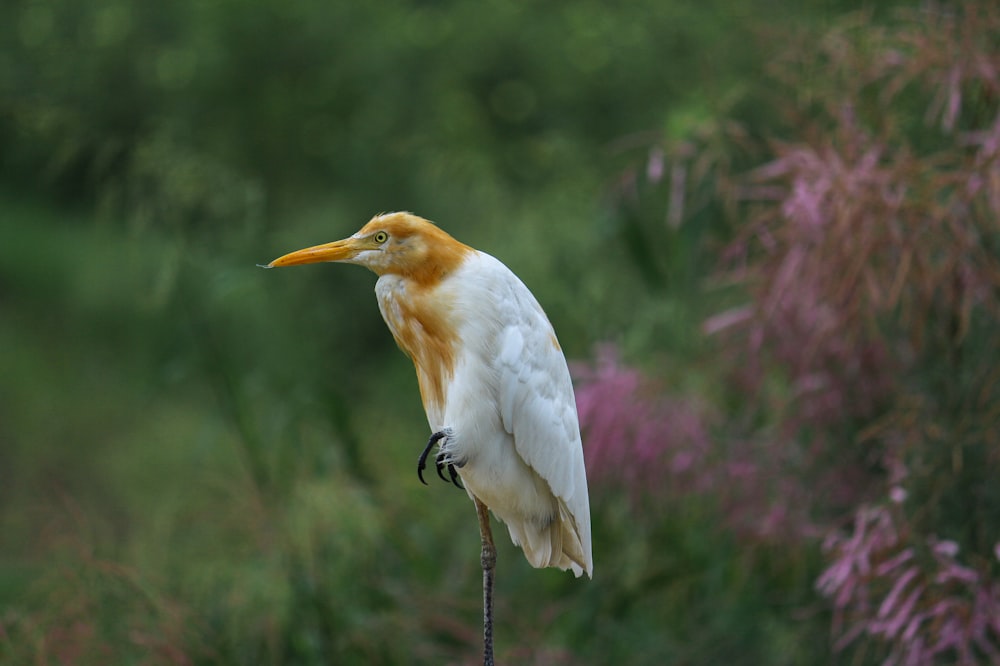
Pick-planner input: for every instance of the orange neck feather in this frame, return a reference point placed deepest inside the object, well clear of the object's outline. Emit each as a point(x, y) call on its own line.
point(421, 320)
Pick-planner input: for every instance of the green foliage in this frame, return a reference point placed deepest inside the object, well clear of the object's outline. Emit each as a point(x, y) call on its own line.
point(205, 463)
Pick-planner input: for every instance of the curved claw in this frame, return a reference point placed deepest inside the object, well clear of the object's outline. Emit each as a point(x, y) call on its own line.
point(422, 460)
point(454, 477)
point(440, 463)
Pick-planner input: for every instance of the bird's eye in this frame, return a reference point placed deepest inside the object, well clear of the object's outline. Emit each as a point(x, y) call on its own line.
point(380, 237)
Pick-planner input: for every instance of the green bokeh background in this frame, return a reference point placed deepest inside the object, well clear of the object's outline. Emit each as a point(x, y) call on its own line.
point(205, 463)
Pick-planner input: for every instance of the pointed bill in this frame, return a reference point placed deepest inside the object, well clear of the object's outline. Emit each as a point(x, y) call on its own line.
point(341, 250)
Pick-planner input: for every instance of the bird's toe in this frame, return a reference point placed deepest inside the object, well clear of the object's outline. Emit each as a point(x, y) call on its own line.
point(454, 477)
point(422, 459)
point(441, 464)
point(445, 461)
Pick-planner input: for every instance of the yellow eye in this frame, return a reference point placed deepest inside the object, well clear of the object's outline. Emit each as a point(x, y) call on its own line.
point(380, 237)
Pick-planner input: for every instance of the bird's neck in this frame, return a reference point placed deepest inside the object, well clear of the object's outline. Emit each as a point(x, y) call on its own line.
point(421, 317)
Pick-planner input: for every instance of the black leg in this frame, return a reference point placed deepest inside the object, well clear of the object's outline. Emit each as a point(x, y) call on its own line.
point(489, 562)
point(422, 460)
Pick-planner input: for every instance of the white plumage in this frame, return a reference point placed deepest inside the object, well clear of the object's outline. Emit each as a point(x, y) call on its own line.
point(492, 377)
point(510, 411)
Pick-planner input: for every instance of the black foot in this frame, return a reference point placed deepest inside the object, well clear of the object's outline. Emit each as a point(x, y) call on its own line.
point(422, 460)
point(440, 461)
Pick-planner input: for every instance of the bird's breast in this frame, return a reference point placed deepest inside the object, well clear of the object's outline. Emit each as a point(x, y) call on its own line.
point(423, 322)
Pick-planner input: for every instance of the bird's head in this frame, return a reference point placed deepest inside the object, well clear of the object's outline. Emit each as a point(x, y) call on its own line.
point(394, 243)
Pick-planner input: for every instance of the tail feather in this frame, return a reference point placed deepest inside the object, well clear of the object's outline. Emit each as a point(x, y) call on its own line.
point(552, 544)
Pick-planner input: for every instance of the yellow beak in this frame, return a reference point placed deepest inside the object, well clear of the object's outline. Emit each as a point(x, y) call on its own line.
point(342, 250)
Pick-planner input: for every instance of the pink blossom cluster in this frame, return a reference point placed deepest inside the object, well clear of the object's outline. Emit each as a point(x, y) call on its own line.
point(633, 433)
point(914, 595)
point(866, 251)
point(662, 446)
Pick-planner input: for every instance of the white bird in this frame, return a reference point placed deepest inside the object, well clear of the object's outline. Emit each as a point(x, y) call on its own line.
point(493, 380)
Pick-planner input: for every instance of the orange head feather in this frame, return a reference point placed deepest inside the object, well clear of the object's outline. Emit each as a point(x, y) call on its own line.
point(394, 243)
point(414, 249)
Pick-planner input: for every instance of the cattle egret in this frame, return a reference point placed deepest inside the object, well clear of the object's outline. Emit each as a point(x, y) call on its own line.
point(494, 384)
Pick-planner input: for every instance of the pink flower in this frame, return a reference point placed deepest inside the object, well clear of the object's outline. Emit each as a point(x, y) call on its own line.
point(928, 610)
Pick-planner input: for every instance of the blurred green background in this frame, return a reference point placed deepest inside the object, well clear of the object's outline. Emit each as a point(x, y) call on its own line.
point(205, 463)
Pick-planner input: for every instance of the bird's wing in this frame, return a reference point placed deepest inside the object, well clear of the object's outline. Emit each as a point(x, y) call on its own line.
point(537, 405)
